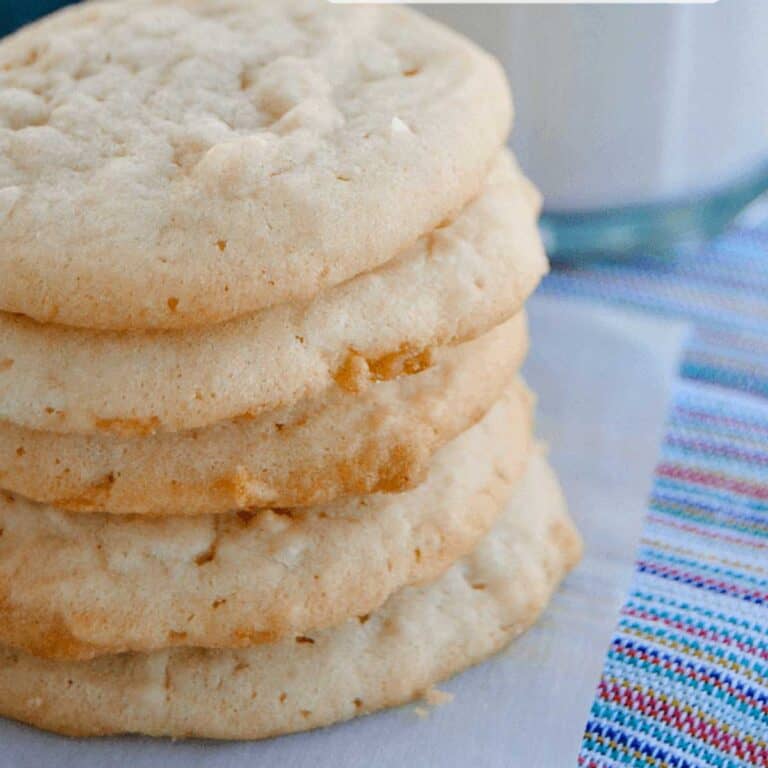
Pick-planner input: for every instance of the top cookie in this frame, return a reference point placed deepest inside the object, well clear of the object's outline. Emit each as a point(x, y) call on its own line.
point(170, 163)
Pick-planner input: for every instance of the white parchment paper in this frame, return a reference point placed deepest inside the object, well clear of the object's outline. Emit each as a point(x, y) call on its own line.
point(603, 377)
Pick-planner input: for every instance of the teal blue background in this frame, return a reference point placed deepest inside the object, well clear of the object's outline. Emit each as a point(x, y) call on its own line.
point(14, 13)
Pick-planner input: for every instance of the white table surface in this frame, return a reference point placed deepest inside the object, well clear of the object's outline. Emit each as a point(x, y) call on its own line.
point(603, 378)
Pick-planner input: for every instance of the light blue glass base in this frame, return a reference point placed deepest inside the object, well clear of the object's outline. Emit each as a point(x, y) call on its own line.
point(648, 229)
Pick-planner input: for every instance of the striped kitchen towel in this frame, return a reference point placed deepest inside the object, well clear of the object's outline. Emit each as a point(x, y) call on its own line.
point(685, 680)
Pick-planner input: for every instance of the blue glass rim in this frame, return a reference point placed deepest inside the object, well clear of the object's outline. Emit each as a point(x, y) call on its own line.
point(648, 229)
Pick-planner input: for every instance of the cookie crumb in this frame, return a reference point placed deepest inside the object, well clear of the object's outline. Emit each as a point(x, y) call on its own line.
point(398, 126)
point(434, 697)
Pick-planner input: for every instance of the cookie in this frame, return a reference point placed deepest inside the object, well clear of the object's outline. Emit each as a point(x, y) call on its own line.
point(75, 585)
point(172, 163)
point(335, 445)
point(420, 636)
point(455, 284)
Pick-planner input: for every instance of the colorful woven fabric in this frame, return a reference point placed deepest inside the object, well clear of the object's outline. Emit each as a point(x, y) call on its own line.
point(685, 681)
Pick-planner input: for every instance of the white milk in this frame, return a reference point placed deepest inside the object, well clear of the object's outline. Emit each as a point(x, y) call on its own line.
point(630, 104)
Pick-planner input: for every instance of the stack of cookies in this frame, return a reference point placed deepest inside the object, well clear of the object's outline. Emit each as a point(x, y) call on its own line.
point(266, 457)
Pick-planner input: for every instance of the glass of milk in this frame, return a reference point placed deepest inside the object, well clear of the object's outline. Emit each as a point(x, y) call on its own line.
point(641, 124)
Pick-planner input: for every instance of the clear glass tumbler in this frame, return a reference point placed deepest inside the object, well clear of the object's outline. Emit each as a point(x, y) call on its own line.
point(641, 124)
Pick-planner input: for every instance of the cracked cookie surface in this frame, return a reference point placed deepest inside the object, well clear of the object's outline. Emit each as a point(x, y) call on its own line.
point(171, 163)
